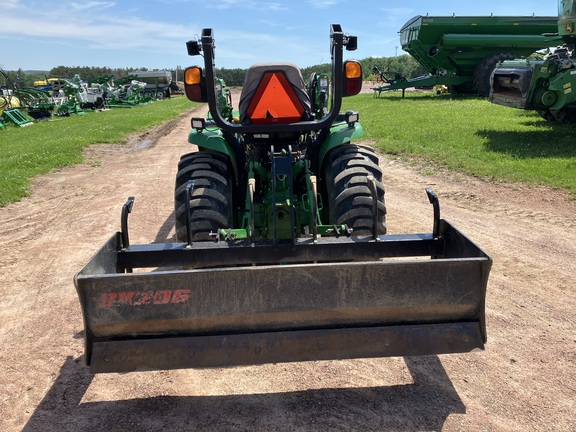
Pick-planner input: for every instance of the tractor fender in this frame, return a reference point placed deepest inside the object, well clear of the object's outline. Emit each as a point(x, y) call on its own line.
point(340, 134)
point(216, 142)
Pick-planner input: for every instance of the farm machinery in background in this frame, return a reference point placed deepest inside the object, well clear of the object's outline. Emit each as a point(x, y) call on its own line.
point(461, 52)
point(10, 112)
point(51, 85)
point(547, 86)
point(65, 97)
point(281, 252)
point(73, 96)
point(37, 103)
point(15, 101)
point(126, 92)
point(102, 94)
point(382, 77)
point(159, 83)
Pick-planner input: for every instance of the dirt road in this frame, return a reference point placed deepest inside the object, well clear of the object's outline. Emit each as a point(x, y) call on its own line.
point(524, 381)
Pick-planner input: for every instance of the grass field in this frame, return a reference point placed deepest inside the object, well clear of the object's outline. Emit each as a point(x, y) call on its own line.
point(57, 143)
point(471, 135)
point(462, 133)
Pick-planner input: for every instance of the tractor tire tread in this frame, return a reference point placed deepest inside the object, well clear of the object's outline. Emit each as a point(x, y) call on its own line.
point(346, 182)
point(211, 200)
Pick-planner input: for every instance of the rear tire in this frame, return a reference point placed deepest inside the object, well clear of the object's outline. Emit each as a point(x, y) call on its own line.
point(349, 198)
point(484, 71)
point(211, 201)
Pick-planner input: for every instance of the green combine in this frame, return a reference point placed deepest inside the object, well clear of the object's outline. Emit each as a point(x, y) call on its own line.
point(548, 86)
point(461, 52)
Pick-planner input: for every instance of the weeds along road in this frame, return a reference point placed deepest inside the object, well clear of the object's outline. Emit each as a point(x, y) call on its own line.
point(525, 380)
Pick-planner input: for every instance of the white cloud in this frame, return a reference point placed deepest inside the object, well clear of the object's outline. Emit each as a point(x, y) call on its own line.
point(246, 4)
point(323, 4)
point(111, 31)
point(94, 5)
point(10, 4)
point(82, 34)
point(397, 11)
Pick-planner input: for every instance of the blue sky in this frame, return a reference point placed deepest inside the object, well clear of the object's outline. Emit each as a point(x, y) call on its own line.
point(152, 33)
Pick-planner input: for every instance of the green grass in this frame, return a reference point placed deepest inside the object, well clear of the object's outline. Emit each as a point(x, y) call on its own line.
point(472, 136)
point(57, 143)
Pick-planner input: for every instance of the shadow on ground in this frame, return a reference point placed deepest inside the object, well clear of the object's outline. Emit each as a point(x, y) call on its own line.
point(423, 405)
point(545, 143)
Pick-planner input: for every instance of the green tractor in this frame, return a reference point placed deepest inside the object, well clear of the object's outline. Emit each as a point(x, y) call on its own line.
point(275, 157)
point(281, 253)
point(547, 86)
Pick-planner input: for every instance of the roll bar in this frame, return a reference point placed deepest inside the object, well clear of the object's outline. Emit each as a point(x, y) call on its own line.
point(338, 42)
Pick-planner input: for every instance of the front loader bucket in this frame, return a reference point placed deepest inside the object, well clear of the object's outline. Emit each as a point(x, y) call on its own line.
point(338, 298)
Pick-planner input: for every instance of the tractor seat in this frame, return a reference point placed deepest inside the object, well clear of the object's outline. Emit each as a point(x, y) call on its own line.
point(274, 93)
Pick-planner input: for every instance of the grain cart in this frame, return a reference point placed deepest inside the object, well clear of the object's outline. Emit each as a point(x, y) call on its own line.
point(461, 52)
point(544, 86)
point(158, 83)
point(281, 252)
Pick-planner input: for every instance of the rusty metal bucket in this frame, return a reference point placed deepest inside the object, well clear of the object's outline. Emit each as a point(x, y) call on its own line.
point(336, 299)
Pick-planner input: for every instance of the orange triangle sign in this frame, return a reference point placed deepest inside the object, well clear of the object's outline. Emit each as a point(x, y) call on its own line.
point(275, 101)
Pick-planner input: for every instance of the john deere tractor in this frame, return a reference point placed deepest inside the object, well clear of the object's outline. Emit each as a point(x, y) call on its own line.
point(278, 168)
point(280, 253)
point(547, 86)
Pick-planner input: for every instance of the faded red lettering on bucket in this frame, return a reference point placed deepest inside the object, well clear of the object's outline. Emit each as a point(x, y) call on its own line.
point(125, 297)
point(107, 299)
point(181, 296)
point(163, 297)
point(141, 298)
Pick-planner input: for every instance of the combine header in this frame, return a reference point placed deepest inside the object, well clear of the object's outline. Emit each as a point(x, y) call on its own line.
point(281, 252)
point(546, 85)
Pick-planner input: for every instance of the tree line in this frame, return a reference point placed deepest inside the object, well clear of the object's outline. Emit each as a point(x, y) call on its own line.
point(26, 79)
point(403, 65)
